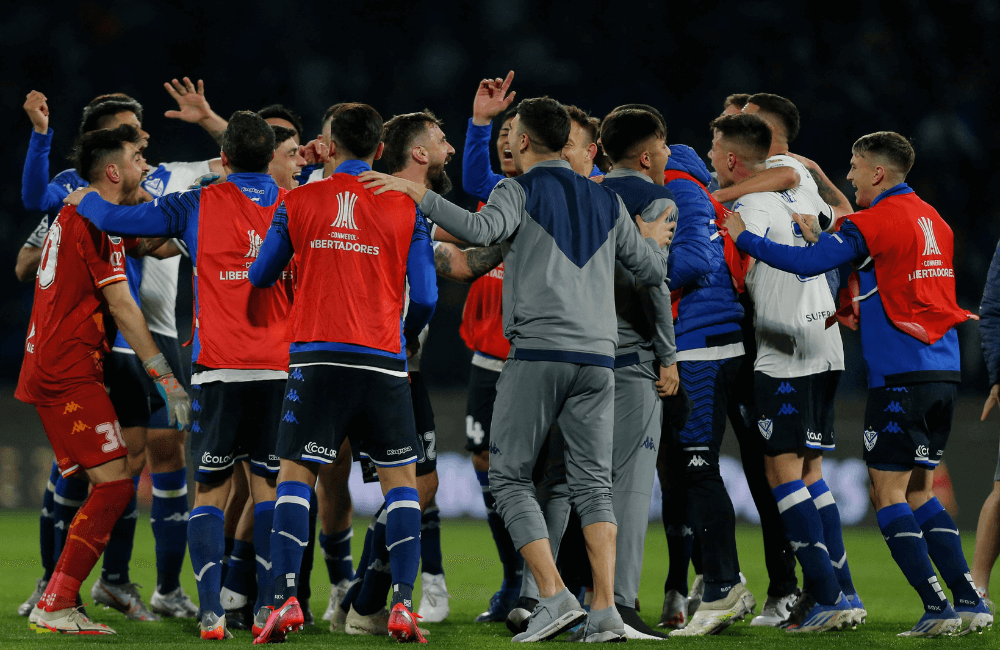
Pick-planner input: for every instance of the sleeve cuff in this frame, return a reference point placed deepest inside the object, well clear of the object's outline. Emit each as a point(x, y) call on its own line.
point(41, 139)
point(479, 132)
point(426, 204)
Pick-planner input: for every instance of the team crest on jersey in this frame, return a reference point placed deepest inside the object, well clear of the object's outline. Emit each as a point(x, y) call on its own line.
point(871, 437)
point(930, 241)
point(345, 211)
point(255, 242)
point(766, 426)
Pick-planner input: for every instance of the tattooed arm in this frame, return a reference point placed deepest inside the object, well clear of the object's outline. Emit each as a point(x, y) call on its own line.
point(158, 247)
point(827, 190)
point(465, 266)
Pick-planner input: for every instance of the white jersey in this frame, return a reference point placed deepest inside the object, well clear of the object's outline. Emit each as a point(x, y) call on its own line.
point(158, 288)
point(791, 310)
point(315, 175)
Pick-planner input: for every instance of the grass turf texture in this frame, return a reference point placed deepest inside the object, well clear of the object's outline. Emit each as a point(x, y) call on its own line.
point(473, 574)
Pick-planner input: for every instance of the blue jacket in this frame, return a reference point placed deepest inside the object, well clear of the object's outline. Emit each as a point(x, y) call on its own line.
point(709, 312)
point(989, 319)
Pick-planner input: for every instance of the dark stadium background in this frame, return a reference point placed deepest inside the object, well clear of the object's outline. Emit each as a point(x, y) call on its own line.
point(924, 69)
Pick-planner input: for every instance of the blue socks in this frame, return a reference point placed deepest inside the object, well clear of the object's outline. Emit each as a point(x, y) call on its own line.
point(833, 535)
point(513, 563)
point(805, 532)
point(289, 538)
point(377, 576)
point(46, 524)
point(118, 552)
point(206, 540)
point(168, 517)
point(69, 496)
point(263, 520)
point(909, 549)
point(241, 569)
point(337, 554)
point(944, 545)
point(402, 539)
point(430, 541)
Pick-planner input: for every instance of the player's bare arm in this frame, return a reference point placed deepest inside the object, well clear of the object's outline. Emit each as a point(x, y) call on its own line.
point(37, 108)
point(74, 197)
point(809, 225)
point(387, 183)
point(193, 107)
point(149, 246)
point(991, 401)
point(465, 266)
point(827, 190)
point(27, 263)
point(492, 99)
point(775, 179)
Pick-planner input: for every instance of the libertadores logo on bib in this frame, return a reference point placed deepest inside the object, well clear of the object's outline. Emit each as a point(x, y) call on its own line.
point(255, 242)
point(345, 211)
point(930, 241)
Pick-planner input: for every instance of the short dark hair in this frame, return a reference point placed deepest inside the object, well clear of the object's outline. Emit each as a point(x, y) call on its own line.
point(747, 131)
point(355, 127)
point(546, 121)
point(591, 125)
point(98, 114)
point(644, 107)
point(279, 111)
point(508, 115)
point(248, 143)
point(736, 99)
point(624, 130)
point(94, 147)
point(889, 145)
point(281, 134)
point(398, 135)
point(781, 108)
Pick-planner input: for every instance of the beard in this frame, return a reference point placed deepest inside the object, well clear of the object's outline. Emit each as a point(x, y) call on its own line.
point(133, 194)
point(438, 179)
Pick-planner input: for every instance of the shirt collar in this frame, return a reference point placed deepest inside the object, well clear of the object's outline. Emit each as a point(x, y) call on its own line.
point(896, 190)
point(353, 167)
point(251, 179)
point(555, 162)
point(625, 172)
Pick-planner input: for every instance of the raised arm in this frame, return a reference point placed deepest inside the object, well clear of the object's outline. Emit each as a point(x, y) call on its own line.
point(275, 253)
point(478, 178)
point(193, 107)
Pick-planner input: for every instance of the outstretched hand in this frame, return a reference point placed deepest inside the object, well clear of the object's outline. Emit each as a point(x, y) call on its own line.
point(492, 99)
point(733, 223)
point(991, 401)
point(190, 100)
point(74, 197)
point(386, 183)
point(660, 229)
point(809, 225)
point(37, 108)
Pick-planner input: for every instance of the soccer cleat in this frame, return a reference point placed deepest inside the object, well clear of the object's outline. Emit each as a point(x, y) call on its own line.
point(975, 619)
point(775, 611)
point(260, 620)
point(240, 619)
point(339, 619)
point(337, 593)
point(287, 618)
point(403, 625)
point(71, 620)
point(552, 618)
point(714, 617)
point(825, 617)
point(695, 593)
point(124, 598)
point(517, 619)
point(802, 605)
point(936, 623)
point(433, 599)
point(635, 627)
point(24, 609)
point(213, 628)
point(502, 603)
point(36, 611)
point(175, 604)
point(376, 624)
point(859, 615)
point(675, 611)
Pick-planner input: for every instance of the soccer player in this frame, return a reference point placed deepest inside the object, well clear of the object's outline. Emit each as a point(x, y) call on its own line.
point(903, 252)
point(284, 168)
point(581, 148)
point(645, 368)
point(988, 529)
point(80, 284)
point(563, 336)
point(240, 360)
point(798, 365)
point(349, 290)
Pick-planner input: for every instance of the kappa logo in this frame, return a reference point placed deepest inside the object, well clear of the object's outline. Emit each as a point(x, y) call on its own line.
point(345, 211)
point(892, 427)
point(799, 545)
point(871, 436)
point(930, 241)
point(290, 418)
point(397, 452)
point(923, 452)
point(648, 444)
point(255, 242)
point(894, 407)
point(196, 427)
point(79, 426)
point(297, 375)
point(196, 406)
point(293, 396)
point(787, 409)
point(697, 461)
point(766, 426)
point(72, 407)
point(784, 389)
point(494, 449)
point(177, 517)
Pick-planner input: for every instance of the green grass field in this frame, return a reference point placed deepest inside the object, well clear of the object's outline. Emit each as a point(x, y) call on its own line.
point(473, 574)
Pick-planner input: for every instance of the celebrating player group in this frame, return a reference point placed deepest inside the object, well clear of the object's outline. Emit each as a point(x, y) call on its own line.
point(625, 302)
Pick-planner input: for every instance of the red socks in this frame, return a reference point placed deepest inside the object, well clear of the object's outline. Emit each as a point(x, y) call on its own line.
point(85, 541)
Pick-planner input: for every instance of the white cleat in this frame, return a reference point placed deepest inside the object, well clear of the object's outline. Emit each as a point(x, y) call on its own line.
point(24, 609)
point(174, 604)
point(675, 611)
point(69, 621)
point(695, 593)
point(376, 624)
point(636, 635)
point(714, 617)
point(775, 611)
point(125, 598)
point(337, 593)
point(434, 606)
point(213, 628)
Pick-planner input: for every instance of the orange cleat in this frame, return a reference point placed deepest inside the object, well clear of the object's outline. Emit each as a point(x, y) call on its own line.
point(287, 618)
point(403, 625)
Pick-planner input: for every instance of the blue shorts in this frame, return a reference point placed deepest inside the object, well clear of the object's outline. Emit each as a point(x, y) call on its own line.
point(795, 412)
point(908, 425)
point(423, 417)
